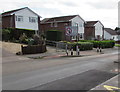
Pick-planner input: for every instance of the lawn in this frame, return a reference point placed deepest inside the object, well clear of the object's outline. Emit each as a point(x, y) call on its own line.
point(117, 45)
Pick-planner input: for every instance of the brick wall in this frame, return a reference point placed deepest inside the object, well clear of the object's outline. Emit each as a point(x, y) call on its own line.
point(89, 33)
point(8, 21)
point(60, 26)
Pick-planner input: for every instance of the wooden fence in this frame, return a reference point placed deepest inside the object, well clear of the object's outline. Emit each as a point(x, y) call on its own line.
point(33, 49)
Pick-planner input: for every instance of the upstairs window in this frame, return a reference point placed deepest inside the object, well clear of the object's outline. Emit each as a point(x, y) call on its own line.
point(32, 19)
point(54, 24)
point(19, 18)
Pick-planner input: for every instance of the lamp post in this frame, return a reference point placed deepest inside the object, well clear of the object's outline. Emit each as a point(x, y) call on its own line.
point(77, 49)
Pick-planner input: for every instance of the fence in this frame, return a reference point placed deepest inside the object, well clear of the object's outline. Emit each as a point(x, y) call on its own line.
point(51, 43)
point(61, 46)
point(33, 49)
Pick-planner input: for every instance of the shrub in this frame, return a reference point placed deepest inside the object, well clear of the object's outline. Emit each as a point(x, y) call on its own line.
point(81, 45)
point(54, 35)
point(23, 38)
point(5, 34)
point(37, 39)
point(102, 44)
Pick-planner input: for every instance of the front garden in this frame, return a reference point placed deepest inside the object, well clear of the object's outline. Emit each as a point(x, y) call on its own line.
point(33, 42)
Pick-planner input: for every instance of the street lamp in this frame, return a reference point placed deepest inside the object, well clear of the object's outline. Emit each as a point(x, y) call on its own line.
point(77, 49)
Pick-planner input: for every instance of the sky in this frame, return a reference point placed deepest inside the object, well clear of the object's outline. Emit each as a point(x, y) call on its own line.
point(105, 11)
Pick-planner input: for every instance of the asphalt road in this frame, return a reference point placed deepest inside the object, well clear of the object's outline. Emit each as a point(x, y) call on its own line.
point(72, 69)
point(82, 81)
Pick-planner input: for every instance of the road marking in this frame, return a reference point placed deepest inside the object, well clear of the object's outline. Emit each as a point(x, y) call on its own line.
point(111, 88)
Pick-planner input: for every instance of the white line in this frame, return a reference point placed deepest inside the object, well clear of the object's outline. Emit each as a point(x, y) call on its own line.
point(105, 82)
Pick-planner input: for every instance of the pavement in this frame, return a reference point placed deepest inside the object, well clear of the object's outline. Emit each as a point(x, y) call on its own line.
point(11, 57)
point(54, 53)
point(21, 72)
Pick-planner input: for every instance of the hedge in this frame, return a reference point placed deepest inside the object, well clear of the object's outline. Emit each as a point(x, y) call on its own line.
point(54, 35)
point(5, 34)
point(14, 33)
point(81, 45)
point(102, 44)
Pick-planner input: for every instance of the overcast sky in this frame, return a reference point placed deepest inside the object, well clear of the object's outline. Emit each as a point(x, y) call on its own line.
point(90, 10)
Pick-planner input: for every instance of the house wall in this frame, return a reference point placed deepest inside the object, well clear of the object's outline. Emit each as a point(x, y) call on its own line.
point(89, 33)
point(77, 21)
point(25, 24)
point(8, 21)
point(61, 26)
point(99, 29)
point(115, 37)
point(108, 36)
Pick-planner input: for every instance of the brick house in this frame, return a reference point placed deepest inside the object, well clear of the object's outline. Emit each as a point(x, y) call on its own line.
point(94, 30)
point(23, 18)
point(60, 23)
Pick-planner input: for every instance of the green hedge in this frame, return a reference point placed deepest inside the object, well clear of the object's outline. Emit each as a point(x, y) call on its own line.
point(14, 33)
point(82, 45)
point(102, 44)
point(54, 35)
point(6, 34)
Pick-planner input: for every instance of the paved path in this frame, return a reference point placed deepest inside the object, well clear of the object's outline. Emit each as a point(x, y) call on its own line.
point(51, 70)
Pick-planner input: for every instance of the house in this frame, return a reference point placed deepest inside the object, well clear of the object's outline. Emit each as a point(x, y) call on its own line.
point(110, 34)
point(23, 18)
point(94, 30)
point(73, 22)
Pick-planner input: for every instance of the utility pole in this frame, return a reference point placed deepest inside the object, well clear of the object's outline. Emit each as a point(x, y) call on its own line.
point(77, 49)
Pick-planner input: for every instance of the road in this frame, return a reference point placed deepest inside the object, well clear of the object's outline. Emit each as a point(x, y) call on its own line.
point(42, 74)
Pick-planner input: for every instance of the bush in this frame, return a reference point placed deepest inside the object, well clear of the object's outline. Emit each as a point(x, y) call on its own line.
point(37, 39)
point(23, 38)
point(5, 34)
point(102, 44)
point(54, 35)
point(81, 45)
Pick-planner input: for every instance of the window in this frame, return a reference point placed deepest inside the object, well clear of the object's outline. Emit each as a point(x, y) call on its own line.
point(81, 35)
point(19, 18)
point(81, 25)
point(32, 19)
point(73, 37)
point(66, 24)
point(54, 24)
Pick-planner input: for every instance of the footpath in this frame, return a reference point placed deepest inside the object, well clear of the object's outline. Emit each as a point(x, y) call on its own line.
point(53, 53)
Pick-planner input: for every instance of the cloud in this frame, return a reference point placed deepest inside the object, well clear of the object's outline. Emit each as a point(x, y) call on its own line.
point(47, 12)
point(70, 4)
point(103, 10)
point(103, 4)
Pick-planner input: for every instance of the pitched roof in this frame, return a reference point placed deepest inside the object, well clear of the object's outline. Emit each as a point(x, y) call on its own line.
point(58, 19)
point(110, 31)
point(13, 11)
point(90, 23)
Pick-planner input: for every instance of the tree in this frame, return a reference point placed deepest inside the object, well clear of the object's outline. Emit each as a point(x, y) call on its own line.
point(117, 28)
